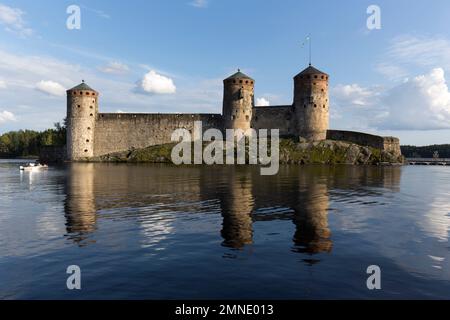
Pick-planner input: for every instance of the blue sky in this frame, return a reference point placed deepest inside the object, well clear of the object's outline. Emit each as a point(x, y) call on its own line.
point(171, 56)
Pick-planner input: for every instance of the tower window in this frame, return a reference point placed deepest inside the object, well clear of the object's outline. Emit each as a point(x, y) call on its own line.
point(87, 93)
point(240, 81)
point(322, 77)
point(323, 90)
point(304, 106)
point(233, 117)
point(246, 82)
point(79, 106)
point(89, 128)
point(87, 140)
point(91, 107)
point(315, 77)
point(86, 150)
point(315, 106)
point(247, 118)
point(91, 115)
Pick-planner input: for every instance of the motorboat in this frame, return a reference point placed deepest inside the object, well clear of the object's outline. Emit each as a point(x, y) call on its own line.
point(33, 167)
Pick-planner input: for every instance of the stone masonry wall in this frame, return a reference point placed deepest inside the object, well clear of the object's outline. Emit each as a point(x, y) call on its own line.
point(389, 144)
point(275, 117)
point(115, 132)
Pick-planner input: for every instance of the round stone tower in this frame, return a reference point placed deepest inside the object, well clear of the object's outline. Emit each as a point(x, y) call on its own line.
point(82, 110)
point(238, 101)
point(311, 104)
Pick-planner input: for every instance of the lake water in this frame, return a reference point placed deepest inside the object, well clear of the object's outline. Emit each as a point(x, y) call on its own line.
point(163, 232)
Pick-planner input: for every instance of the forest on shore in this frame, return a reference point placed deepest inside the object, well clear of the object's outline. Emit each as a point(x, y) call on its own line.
point(27, 143)
point(439, 151)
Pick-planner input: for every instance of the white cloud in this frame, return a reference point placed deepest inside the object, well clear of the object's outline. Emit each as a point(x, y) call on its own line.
point(262, 102)
point(2, 84)
point(199, 3)
point(115, 67)
point(51, 88)
point(354, 94)
point(419, 103)
point(12, 19)
point(406, 52)
point(100, 13)
point(422, 103)
point(155, 83)
point(6, 116)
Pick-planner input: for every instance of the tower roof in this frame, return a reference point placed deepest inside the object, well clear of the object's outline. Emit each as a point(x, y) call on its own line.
point(82, 86)
point(310, 70)
point(239, 75)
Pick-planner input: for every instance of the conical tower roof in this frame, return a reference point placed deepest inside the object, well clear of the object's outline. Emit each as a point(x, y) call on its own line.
point(82, 86)
point(309, 71)
point(239, 75)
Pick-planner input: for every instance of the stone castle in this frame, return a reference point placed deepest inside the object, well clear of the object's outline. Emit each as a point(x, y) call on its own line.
point(91, 134)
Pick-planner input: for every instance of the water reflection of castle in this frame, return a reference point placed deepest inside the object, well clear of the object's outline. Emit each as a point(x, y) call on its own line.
point(299, 194)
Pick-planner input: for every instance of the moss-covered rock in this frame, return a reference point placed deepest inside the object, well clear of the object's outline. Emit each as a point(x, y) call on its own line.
point(291, 152)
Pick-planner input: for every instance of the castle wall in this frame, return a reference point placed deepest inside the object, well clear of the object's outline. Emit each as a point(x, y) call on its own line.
point(275, 117)
point(389, 144)
point(115, 132)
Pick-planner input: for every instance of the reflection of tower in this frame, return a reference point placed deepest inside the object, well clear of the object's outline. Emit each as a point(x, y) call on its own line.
point(237, 206)
point(80, 208)
point(311, 218)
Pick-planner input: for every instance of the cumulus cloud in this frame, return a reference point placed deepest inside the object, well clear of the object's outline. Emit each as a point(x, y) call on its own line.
point(420, 103)
point(115, 67)
point(354, 94)
point(50, 87)
point(155, 83)
point(6, 116)
point(199, 3)
point(262, 102)
point(13, 21)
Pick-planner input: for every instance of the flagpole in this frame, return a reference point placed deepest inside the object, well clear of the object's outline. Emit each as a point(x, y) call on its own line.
point(310, 50)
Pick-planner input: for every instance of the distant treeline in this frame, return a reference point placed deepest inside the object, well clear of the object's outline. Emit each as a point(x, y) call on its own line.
point(443, 151)
point(27, 143)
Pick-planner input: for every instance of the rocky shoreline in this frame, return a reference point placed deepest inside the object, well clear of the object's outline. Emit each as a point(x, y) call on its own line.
point(291, 152)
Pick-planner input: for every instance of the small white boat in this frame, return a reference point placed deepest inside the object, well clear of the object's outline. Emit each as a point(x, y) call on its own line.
point(33, 167)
